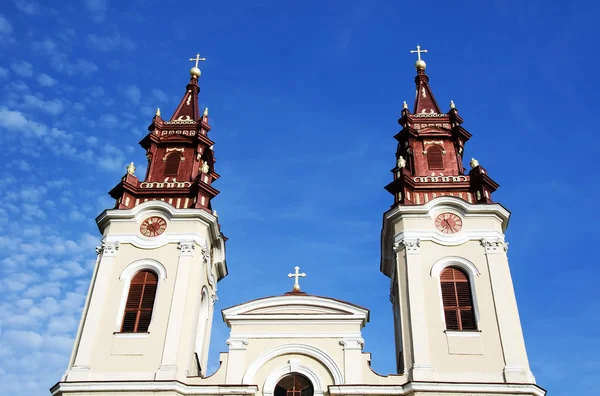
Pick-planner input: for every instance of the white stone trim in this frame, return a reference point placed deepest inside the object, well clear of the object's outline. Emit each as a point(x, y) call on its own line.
point(437, 387)
point(300, 349)
point(463, 334)
point(297, 335)
point(293, 366)
point(454, 261)
point(126, 277)
point(156, 242)
point(472, 272)
point(152, 386)
point(457, 239)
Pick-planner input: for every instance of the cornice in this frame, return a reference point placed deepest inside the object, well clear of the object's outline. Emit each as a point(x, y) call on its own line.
point(153, 386)
point(412, 387)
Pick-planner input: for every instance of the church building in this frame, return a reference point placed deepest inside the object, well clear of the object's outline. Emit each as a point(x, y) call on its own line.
point(146, 323)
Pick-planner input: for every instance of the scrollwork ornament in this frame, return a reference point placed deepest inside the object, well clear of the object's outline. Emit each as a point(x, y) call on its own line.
point(494, 247)
point(107, 248)
point(411, 246)
point(186, 247)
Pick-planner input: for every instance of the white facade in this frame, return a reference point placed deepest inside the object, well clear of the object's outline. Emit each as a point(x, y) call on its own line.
point(317, 337)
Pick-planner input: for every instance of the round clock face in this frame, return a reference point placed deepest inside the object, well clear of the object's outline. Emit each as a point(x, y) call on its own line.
point(153, 226)
point(448, 223)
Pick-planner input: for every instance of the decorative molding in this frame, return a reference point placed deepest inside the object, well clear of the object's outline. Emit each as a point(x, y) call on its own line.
point(441, 179)
point(301, 349)
point(297, 335)
point(108, 249)
point(453, 261)
point(186, 247)
point(352, 343)
point(175, 387)
point(437, 387)
point(237, 343)
point(494, 246)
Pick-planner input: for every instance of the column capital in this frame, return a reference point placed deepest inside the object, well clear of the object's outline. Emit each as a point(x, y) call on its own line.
point(352, 343)
point(411, 246)
point(186, 247)
point(107, 249)
point(237, 343)
point(494, 246)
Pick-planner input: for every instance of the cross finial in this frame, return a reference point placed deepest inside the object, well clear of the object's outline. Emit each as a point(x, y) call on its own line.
point(296, 275)
point(195, 71)
point(198, 59)
point(417, 51)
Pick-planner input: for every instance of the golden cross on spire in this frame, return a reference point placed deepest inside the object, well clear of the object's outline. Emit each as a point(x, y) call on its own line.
point(296, 275)
point(418, 51)
point(197, 59)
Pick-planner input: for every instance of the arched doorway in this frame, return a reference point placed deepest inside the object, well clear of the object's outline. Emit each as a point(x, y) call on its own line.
point(294, 385)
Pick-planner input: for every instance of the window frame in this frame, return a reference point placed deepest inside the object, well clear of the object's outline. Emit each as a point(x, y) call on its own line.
point(440, 149)
point(472, 273)
point(172, 154)
point(126, 277)
point(140, 309)
point(456, 306)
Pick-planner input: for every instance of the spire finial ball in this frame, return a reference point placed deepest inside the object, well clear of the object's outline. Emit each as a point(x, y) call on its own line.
point(420, 64)
point(195, 72)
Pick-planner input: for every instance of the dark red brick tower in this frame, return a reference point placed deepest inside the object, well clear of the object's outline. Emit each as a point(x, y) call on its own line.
point(429, 158)
point(180, 158)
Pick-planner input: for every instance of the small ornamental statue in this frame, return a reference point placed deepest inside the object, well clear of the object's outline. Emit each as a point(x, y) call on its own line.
point(474, 163)
point(401, 162)
point(131, 168)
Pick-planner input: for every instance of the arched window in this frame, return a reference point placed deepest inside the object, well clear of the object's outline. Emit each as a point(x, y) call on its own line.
point(457, 299)
point(172, 164)
point(435, 157)
point(140, 301)
point(294, 385)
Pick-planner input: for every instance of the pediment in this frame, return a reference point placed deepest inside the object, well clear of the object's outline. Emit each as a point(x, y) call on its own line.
point(304, 307)
point(297, 309)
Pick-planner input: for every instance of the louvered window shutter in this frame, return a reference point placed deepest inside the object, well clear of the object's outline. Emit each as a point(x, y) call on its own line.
point(435, 157)
point(457, 299)
point(140, 301)
point(172, 164)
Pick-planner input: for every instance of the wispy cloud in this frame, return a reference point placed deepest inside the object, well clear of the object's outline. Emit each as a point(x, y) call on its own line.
point(133, 93)
point(112, 42)
point(22, 68)
point(96, 9)
point(27, 7)
point(5, 26)
point(45, 80)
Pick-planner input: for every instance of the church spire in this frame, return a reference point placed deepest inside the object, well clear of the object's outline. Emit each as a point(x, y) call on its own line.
point(180, 158)
point(425, 103)
point(429, 156)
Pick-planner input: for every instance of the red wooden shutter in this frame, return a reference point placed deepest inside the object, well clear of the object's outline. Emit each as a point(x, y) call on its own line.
point(172, 164)
point(457, 299)
point(435, 157)
point(140, 301)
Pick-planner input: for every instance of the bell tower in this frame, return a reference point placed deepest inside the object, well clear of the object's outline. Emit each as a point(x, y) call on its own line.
point(444, 250)
point(149, 309)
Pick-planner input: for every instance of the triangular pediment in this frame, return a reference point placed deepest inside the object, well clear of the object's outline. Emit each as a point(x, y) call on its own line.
point(295, 307)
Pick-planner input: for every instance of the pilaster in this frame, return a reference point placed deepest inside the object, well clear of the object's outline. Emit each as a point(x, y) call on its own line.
point(236, 363)
point(168, 367)
point(409, 250)
point(353, 369)
point(509, 325)
point(80, 369)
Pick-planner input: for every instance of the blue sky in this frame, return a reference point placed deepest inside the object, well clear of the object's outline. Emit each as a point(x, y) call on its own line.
point(304, 98)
